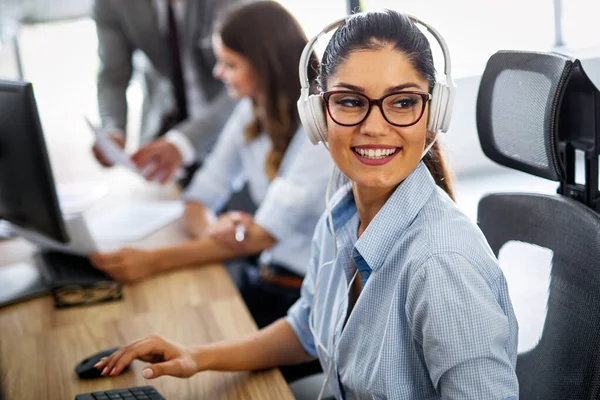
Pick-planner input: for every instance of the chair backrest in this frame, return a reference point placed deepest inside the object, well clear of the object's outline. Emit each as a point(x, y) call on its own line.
point(565, 363)
point(519, 111)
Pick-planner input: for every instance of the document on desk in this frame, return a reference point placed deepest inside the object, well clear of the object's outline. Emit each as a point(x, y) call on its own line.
point(131, 221)
point(111, 151)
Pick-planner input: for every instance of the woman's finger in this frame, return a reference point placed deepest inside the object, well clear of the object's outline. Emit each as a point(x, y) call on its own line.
point(111, 360)
point(140, 350)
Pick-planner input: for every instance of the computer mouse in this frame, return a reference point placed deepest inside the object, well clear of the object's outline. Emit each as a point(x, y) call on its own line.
point(85, 369)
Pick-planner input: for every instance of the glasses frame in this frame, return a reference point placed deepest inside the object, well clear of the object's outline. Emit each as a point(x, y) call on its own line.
point(87, 293)
point(378, 102)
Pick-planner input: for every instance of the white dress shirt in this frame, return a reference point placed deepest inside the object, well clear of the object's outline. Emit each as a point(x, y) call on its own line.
point(289, 205)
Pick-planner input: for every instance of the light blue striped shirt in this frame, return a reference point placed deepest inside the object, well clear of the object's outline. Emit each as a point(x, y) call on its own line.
point(433, 320)
point(289, 206)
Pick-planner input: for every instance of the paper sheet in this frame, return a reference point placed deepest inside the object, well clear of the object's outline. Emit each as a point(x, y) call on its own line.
point(76, 197)
point(131, 221)
point(111, 151)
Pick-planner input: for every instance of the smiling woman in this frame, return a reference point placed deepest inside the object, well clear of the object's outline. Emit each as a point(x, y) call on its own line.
point(382, 70)
point(430, 316)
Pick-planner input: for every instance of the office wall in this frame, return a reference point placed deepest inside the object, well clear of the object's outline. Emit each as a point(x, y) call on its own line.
point(462, 143)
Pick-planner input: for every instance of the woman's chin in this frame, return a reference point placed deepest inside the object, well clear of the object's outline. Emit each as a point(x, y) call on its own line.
point(375, 183)
point(233, 93)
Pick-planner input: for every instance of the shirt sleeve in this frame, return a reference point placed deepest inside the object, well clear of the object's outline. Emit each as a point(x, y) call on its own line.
point(183, 145)
point(115, 68)
point(214, 182)
point(299, 312)
point(296, 198)
point(464, 330)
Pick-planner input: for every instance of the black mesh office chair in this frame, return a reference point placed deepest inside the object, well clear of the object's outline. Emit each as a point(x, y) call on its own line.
point(533, 111)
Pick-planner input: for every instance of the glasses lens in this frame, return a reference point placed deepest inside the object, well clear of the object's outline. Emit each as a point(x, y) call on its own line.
point(348, 108)
point(403, 108)
point(70, 295)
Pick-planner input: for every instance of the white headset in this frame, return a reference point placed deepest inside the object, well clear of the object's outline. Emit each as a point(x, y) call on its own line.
point(310, 106)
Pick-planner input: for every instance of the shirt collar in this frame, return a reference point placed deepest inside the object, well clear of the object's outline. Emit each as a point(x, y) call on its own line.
point(394, 217)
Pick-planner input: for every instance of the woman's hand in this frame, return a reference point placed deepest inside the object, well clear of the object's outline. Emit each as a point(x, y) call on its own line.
point(166, 357)
point(126, 265)
point(223, 231)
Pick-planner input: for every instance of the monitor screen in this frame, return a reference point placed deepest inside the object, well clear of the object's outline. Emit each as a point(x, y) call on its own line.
point(27, 194)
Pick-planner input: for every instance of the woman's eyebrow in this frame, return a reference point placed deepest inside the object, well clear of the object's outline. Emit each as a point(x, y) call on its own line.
point(349, 86)
point(407, 85)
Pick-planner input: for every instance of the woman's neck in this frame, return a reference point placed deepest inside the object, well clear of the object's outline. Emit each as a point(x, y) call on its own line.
point(368, 203)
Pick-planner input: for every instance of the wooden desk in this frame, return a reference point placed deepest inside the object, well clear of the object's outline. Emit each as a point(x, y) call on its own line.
point(40, 346)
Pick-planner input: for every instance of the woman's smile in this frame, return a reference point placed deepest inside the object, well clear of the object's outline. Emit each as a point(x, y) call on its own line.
point(375, 154)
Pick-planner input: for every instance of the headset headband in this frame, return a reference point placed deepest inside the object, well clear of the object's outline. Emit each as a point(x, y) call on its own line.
point(305, 57)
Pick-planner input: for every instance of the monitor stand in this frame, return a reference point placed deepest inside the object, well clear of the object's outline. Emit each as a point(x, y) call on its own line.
point(50, 268)
point(54, 261)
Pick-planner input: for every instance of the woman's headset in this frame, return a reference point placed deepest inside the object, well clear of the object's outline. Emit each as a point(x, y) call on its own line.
point(310, 106)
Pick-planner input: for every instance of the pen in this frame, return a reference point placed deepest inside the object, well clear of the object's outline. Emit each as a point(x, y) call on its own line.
point(240, 232)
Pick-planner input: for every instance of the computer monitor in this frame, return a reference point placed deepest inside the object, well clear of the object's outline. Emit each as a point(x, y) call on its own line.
point(29, 202)
point(27, 191)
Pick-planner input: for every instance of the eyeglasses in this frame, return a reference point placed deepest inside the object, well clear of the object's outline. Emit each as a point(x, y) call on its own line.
point(404, 108)
point(76, 295)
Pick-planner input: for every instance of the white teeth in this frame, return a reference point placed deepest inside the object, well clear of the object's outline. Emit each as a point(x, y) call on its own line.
point(374, 153)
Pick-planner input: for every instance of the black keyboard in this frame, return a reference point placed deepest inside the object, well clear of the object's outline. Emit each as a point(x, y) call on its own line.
point(68, 269)
point(134, 393)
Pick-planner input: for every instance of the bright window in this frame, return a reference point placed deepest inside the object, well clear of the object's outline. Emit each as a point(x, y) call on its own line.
point(313, 15)
point(474, 30)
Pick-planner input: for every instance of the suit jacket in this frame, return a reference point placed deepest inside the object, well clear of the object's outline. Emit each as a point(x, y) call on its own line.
point(125, 26)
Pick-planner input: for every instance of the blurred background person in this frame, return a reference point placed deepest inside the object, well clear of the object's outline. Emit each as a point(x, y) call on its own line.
point(184, 106)
point(264, 145)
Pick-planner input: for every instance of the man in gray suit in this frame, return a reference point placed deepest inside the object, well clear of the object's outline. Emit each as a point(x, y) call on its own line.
point(184, 106)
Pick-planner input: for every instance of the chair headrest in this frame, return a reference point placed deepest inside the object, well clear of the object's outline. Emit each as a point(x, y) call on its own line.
point(518, 108)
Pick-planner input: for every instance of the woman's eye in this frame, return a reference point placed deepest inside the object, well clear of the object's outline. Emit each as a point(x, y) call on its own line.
point(404, 103)
point(350, 102)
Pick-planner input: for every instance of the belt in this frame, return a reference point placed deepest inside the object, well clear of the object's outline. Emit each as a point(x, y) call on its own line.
point(279, 276)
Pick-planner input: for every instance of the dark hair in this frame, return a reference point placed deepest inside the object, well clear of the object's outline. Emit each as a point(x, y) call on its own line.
point(272, 40)
point(375, 30)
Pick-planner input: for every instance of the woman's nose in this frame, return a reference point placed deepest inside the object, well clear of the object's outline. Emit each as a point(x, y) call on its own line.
point(375, 124)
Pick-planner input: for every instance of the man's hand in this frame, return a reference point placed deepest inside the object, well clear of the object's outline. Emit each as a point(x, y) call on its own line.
point(118, 139)
point(158, 160)
point(126, 265)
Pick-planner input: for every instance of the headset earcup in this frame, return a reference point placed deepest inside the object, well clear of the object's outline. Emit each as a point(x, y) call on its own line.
point(434, 107)
point(318, 114)
point(446, 111)
point(440, 108)
point(306, 118)
point(310, 110)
